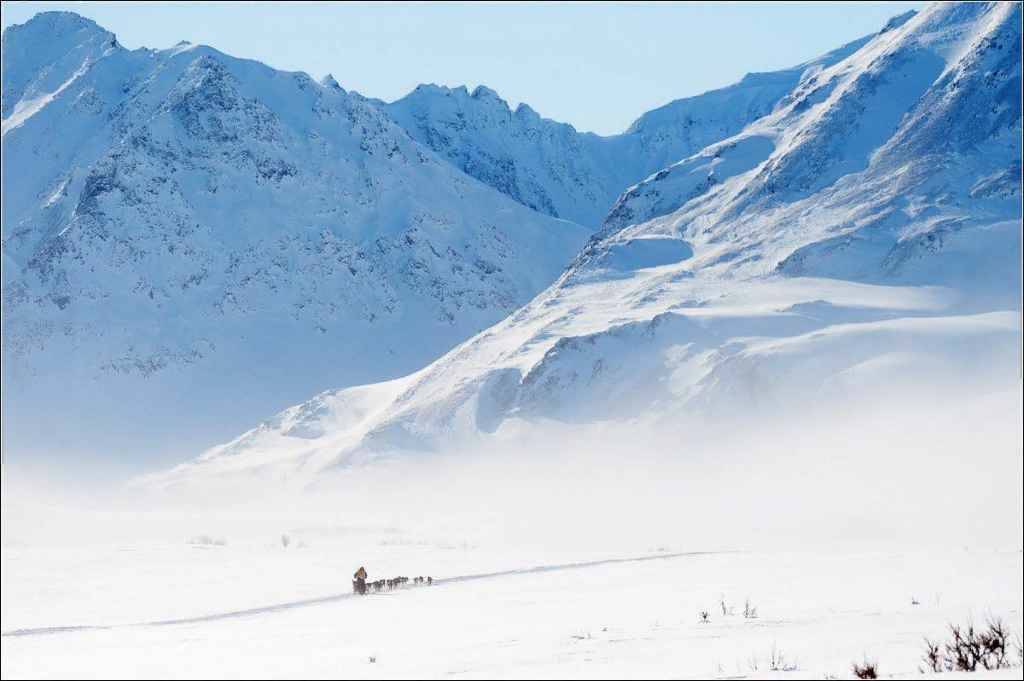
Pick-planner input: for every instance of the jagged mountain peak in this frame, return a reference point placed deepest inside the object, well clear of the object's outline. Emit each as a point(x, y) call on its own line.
point(484, 92)
point(44, 54)
point(485, 105)
point(898, 20)
point(57, 25)
point(525, 110)
point(329, 82)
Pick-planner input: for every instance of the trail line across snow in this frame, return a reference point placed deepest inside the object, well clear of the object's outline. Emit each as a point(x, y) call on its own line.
point(267, 609)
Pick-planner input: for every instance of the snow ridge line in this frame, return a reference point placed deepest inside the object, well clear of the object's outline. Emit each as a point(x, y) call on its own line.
point(262, 610)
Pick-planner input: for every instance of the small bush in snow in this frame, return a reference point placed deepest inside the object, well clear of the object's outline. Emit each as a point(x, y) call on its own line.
point(704, 616)
point(749, 611)
point(777, 662)
point(866, 670)
point(932, 657)
point(285, 540)
point(971, 649)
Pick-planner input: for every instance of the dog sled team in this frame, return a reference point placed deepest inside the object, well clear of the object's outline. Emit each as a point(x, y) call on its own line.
point(361, 586)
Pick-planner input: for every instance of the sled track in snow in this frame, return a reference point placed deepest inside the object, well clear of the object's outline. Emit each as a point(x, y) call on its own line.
point(267, 609)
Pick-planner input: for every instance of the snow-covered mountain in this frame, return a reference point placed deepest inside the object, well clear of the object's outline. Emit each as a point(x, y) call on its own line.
point(864, 234)
point(553, 168)
point(193, 234)
point(540, 163)
point(702, 124)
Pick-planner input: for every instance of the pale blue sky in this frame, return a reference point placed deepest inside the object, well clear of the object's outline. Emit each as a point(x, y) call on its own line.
point(595, 65)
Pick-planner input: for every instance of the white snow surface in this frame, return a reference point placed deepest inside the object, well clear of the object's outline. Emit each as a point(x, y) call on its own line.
point(819, 613)
point(863, 236)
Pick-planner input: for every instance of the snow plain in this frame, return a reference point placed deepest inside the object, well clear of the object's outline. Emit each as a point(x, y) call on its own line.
point(817, 613)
